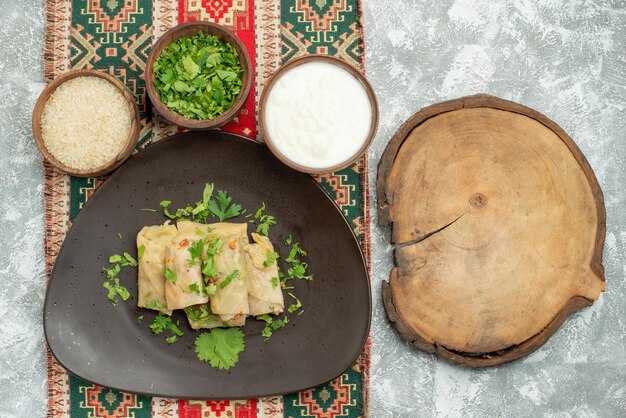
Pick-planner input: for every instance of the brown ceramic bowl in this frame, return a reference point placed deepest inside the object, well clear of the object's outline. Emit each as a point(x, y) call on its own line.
point(190, 29)
point(318, 58)
point(131, 141)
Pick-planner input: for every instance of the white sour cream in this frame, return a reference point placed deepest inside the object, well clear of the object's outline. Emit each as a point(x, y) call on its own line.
point(318, 115)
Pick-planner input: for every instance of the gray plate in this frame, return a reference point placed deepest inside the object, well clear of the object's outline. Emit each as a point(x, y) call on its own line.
point(108, 346)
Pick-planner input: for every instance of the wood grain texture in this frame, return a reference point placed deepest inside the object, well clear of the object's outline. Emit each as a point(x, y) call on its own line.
point(499, 224)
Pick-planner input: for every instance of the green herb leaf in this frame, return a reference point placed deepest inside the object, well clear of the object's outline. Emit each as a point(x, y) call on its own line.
point(153, 303)
point(210, 289)
point(114, 288)
point(163, 323)
point(272, 256)
point(295, 306)
point(264, 224)
point(194, 288)
point(271, 324)
point(221, 207)
point(169, 275)
point(140, 251)
point(220, 347)
point(275, 281)
point(199, 77)
point(229, 279)
point(129, 260)
point(195, 250)
point(259, 211)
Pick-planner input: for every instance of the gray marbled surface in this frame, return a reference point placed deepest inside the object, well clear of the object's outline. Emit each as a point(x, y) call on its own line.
point(566, 59)
point(22, 281)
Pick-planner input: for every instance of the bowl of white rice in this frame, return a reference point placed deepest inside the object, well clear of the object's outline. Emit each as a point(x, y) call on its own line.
point(86, 123)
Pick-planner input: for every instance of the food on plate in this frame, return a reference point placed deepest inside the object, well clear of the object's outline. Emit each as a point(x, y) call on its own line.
point(183, 272)
point(318, 115)
point(198, 77)
point(85, 123)
point(153, 243)
point(213, 273)
point(265, 295)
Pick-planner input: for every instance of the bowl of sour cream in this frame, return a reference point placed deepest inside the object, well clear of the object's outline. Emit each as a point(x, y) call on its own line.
point(318, 114)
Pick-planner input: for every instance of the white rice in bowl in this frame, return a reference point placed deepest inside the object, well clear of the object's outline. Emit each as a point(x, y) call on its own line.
point(86, 122)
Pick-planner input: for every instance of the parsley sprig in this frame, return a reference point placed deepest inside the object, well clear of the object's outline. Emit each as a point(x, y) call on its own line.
point(220, 347)
point(222, 208)
point(219, 206)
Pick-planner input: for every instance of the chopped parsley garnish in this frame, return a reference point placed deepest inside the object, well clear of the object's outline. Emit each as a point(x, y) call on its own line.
point(210, 289)
point(264, 221)
point(140, 317)
point(163, 323)
point(169, 275)
point(201, 313)
point(298, 271)
point(259, 211)
point(272, 256)
point(288, 240)
point(209, 270)
point(229, 279)
point(298, 267)
point(271, 324)
point(112, 282)
point(275, 281)
point(148, 210)
point(194, 288)
point(195, 250)
point(294, 253)
point(198, 76)
point(114, 289)
point(112, 272)
point(220, 347)
point(140, 251)
point(295, 306)
point(123, 260)
point(153, 303)
point(120, 236)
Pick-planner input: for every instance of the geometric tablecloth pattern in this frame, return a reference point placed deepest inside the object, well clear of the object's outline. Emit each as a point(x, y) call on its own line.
point(115, 36)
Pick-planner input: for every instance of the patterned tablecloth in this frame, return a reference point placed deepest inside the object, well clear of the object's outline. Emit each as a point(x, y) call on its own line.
point(115, 36)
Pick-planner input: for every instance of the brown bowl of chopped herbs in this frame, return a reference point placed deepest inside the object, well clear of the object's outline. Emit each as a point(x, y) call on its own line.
point(199, 75)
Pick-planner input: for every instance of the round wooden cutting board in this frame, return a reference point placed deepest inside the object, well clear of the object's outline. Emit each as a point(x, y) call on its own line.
point(498, 224)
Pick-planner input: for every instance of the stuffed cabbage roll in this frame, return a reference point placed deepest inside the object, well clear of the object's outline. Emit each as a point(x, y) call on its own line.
point(231, 294)
point(264, 292)
point(183, 285)
point(152, 244)
point(201, 316)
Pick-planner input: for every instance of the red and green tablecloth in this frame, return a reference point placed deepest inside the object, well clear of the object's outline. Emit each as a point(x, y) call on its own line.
point(116, 36)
